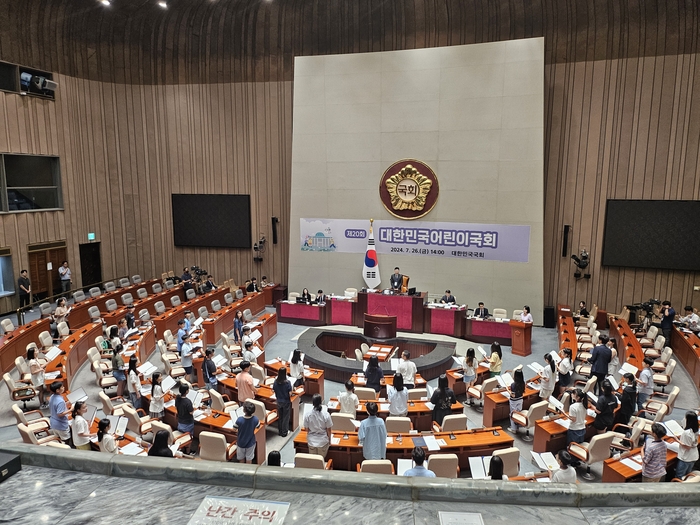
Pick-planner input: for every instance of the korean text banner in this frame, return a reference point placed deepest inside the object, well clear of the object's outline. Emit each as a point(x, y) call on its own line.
point(486, 242)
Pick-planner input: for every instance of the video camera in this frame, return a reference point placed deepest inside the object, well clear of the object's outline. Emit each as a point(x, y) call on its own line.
point(198, 273)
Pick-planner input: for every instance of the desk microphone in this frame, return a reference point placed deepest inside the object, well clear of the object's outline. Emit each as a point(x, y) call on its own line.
point(345, 436)
point(452, 435)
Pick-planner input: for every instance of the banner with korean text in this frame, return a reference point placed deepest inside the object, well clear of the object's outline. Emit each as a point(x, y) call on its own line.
point(486, 242)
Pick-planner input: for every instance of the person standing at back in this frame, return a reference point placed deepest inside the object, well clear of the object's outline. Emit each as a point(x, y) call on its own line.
point(25, 290)
point(419, 470)
point(372, 434)
point(599, 361)
point(374, 374)
point(66, 276)
point(348, 400)
point(318, 424)
point(668, 314)
point(407, 369)
point(245, 439)
point(396, 279)
point(654, 455)
point(283, 389)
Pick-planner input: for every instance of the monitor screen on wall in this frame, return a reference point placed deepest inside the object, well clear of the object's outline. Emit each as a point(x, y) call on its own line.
point(652, 234)
point(211, 221)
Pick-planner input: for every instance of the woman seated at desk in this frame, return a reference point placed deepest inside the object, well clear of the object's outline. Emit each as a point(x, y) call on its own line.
point(161, 448)
point(306, 296)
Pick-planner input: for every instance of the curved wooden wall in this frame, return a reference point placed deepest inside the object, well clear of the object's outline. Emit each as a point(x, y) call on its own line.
point(198, 98)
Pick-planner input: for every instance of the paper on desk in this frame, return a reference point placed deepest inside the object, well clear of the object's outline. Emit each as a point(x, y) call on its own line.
point(255, 335)
point(476, 467)
point(631, 464)
point(384, 406)
point(128, 353)
point(429, 405)
point(53, 353)
point(169, 404)
point(199, 415)
point(51, 375)
point(308, 373)
point(402, 465)
point(228, 424)
point(131, 449)
point(442, 442)
point(563, 422)
point(335, 440)
point(431, 443)
point(543, 480)
point(146, 390)
point(389, 440)
point(219, 360)
point(333, 405)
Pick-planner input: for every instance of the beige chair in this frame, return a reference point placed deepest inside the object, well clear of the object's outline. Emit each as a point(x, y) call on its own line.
point(511, 460)
point(623, 443)
point(516, 314)
point(664, 379)
point(95, 291)
point(660, 415)
point(7, 326)
point(587, 338)
point(659, 399)
point(376, 466)
point(25, 375)
point(399, 425)
point(63, 330)
point(29, 437)
point(142, 293)
point(479, 392)
point(228, 298)
point(19, 391)
point(358, 355)
point(33, 419)
point(140, 425)
point(585, 349)
point(584, 327)
point(597, 450)
point(416, 394)
point(190, 294)
point(181, 439)
point(293, 296)
point(655, 352)
point(144, 317)
point(222, 403)
point(314, 461)
point(203, 312)
point(366, 394)
point(660, 365)
point(96, 360)
point(500, 313)
point(170, 356)
point(103, 381)
point(124, 282)
point(175, 301)
point(693, 477)
point(264, 416)
point(247, 315)
point(216, 305)
point(342, 422)
point(108, 404)
point(94, 313)
point(351, 292)
point(258, 373)
point(365, 348)
point(45, 309)
point(452, 423)
point(170, 340)
point(588, 385)
point(45, 340)
point(444, 465)
point(169, 285)
point(136, 279)
point(648, 340)
point(528, 419)
point(173, 371)
point(78, 296)
point(156, 288)
point(111, 305)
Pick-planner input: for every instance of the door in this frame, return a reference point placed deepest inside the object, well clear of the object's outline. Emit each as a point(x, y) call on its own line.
point(45, 282)
point(90, 264)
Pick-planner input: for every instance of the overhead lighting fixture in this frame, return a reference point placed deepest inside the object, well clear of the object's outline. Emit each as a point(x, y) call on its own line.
point(105, 2)
point(164, 5)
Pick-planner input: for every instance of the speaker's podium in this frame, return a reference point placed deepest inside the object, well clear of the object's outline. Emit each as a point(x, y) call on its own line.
point(380, 326)
point(521, 336)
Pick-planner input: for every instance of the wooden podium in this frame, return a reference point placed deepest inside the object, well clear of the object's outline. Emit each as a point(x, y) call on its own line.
point(521, 335)
point(380, 326)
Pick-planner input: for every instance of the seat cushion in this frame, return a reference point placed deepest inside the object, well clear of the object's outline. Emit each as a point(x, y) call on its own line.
point(520, 419)
point(580, 450)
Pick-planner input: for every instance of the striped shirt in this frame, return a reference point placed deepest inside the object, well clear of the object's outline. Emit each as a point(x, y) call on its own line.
point(654, 462)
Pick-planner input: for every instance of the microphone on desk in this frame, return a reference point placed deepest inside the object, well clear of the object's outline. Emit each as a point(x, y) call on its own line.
point(452, 435)
point(345, 436)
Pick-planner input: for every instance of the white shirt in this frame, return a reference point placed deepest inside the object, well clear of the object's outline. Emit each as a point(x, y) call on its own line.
point(398, 401)
point(80, 426)
point(134, 382)
point(108, 444)
point(548, 380)
point(565, 476)
point(316, 422)
point(408, 370)
point(689, 439)
point(249, 356)
point(577, 411)
point(693, 321)
point(470, 370)
point(565, 366)
point(526, 317)
point(157, 404)
point(38, 378)
point(348, 403)
point(296, 371)
point(646, 377)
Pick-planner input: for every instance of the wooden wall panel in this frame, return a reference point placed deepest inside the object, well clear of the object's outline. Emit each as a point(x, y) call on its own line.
point(198, 98)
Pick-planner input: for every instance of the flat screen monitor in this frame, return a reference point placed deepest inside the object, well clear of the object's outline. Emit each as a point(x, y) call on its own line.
point(211, 221)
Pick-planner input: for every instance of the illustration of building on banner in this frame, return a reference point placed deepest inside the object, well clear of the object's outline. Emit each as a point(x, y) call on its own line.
point(370, 269)
point(320, 242)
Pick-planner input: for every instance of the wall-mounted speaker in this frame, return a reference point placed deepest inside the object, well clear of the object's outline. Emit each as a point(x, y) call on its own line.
point(275, 220)
point(565, 241)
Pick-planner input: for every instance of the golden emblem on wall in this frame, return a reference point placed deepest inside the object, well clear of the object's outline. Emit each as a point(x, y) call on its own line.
point(409, 189)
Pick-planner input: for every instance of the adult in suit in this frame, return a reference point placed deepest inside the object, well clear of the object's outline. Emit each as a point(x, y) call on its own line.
point(320, 297)
point(396, 279)
point(599, 360)
point(481, 311)
point(253, 286)
point(448, 298)
point(209, 284)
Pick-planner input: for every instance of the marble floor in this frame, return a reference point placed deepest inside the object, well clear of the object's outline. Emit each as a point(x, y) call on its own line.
point(37, 495)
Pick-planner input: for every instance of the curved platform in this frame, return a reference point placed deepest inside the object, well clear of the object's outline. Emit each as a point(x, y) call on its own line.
point(323, 349)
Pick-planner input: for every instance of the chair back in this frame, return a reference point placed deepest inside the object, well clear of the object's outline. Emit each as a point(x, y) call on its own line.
point(257, 372)
point(404, 283)
point(511, 460)
point(415, 394)
point(78, 296)
point(93, 354)
point(190, 294)
point(401, 425)
point(239, 294)
point(203, 312)
point(107, 406)
point(444, 465)
point(590, 384)
point(377, 466)
point(124, 282)
point(500, 313)
point(142, 293)
point(63, 329)
point(293, 295)
point(342, 422)
point(217, 401)
point(670, 367)
point(488, 386)
point(661, 414)
point(516, 314)
point(94, 313)
point(136, 279)
point(599, 447)
point(358, 355)
point(247, 315)
point(110, 286)
point(364, 347)
point(171, 273)
point(134, 421)
point(659, 342)
point(666, 355)
point(671, 400)
point(303, 460)
point(536, 411)
point(19, 415)
point(169, 285)
point(156, 288)
point(157, 426)
point(27, 435)
point(351, 292)
point(169, 337)
point(45, 309)
point(212, 446)
point(454, 423)
point(228, 298)
point(160, 307)
point(95, 291)
point(216, 305)
point(365, 394)
point(636, 433)
point(566, 401)
point(260, 411)
point(22, 365)
point(45, 339)
point(9, 382)
point(594, 311)
point(175, 301)
point(111, 305)
point(144, 316)
point(652, 332)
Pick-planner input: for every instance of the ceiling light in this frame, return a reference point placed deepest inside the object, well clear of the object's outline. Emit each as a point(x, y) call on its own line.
point(164, 5)
point(105, 2)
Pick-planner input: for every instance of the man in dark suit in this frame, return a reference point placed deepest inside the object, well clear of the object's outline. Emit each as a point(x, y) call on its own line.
point(481, 311)
point(253, 286)
point(320, 297)
point(396, 279)
point(599, 361)
point(448, 298)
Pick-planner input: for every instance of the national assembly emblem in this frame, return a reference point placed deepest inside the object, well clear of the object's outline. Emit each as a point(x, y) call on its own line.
point(409, 189)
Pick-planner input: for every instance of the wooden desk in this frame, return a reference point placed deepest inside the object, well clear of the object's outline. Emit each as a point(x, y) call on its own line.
point(497, 406)
point(566, 334)
point(408, 309)
point(445, 321)
point(686, 348)
point(628, 348)
point(268, 328)
point(421, 416)
point(468, 443)
point(79, 315)
point(614, 471)
point(262, 393)
point(314, 381)
point(222, 321)
point(144, 343)
point(380, 351)
point(168, 320)
point(358, 380)
point(551, 436)
point(14, 344)
point(74, 353)
point(147, 303)
point(455, 379)
point(301, 313)
point(274, 293)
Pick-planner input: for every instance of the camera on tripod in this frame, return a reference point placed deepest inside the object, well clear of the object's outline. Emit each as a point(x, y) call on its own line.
point(198, 273)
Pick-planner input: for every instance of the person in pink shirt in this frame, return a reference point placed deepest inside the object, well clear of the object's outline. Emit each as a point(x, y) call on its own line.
point(245, 384)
